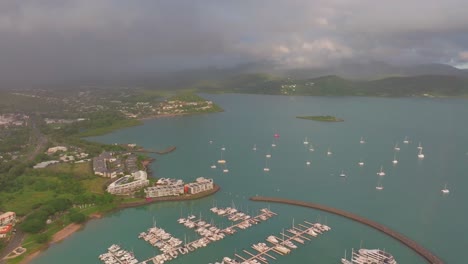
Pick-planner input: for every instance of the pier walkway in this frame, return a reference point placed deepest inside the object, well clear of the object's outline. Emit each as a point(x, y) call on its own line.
point(204, 241)
point(296, 235)
point(429, 256)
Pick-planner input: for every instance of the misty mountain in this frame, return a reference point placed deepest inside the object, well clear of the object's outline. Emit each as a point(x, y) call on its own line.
point(376, 70)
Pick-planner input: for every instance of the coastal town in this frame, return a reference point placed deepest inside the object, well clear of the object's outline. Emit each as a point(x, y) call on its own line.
point(43, 154)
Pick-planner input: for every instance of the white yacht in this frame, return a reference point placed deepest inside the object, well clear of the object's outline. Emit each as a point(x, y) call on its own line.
point(222, 161)
point(362, 141)
point(268, 155)
point(394, 161)
point(272, 239)
point(254, 147)
point(311, 148)
point(420, 146)
point(406, 140)
point(445, 190)
point(329, 153)
point(396, 148)
point(342, 174)
point(420, 154)
point(266, 169)
point(379, 187)
point(361, 163)
point(306, 141)
point(225, 170)
point(308, 163)
point(273, 144)
point(381, 172)
point(345, 259)
point(213, 166)
point(289, 244)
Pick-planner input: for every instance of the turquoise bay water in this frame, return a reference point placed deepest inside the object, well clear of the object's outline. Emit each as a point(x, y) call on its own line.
point(411, 202)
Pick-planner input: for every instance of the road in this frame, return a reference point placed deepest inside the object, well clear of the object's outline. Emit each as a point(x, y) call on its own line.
point(15, 242)
point(37, 139)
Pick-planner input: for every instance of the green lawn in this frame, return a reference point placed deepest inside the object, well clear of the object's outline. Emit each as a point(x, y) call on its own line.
point(95, 185)
point(23, 201)
point(78, 170)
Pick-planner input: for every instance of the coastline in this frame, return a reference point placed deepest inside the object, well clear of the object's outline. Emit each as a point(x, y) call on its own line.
point(70, 229)
point(215, 189)
point(65, 232)
point(176, 115)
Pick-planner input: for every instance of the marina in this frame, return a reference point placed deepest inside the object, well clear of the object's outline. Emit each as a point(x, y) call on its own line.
point(171, 246)
point(279, 246)
point(290, 177)
point(116, 255)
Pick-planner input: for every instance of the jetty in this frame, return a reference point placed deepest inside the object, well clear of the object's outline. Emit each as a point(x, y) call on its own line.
point(171, 246)
point(423, 252)
point(282, 247)
point(160, 152)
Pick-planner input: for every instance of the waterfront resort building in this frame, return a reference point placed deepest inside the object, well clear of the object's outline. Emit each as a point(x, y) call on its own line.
point(200, 185)
point(107, 165)
point(7, 218)
point(129, 183)
point(172, 187)
point(164, 190)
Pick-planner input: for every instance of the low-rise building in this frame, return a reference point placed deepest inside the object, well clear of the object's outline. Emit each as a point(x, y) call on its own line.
point(129, 183)
point(5, 230)
point(7, 218)
point(55, 149)
point(44, 164)
point(173, 187)
point(200, 185)
point(164, 190)
point(100, 165)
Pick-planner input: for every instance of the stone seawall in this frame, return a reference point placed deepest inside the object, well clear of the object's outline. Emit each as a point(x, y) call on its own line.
point(429, 256)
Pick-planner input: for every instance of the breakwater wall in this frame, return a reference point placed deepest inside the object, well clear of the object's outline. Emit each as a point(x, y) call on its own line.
point(428, 255)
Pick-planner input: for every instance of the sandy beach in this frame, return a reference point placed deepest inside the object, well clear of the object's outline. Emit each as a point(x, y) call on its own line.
point(65, 232)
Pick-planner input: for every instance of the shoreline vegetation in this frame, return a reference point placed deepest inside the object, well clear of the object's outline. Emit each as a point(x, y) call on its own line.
point(72, 228)
point(326, 118)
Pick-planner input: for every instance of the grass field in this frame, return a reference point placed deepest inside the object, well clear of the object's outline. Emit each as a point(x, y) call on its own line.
point(23, 201)
point(95, 185)
point(78, 170)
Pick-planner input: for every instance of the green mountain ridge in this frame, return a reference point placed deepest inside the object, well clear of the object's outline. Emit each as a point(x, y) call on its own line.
point(332, 85)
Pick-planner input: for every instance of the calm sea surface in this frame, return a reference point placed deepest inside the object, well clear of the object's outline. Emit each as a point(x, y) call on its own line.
point(411, 202)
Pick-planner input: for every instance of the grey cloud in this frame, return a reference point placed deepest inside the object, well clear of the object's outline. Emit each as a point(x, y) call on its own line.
point(66, 39)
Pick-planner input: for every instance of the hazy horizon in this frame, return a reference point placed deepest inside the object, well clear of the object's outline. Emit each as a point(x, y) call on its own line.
point(70, 40)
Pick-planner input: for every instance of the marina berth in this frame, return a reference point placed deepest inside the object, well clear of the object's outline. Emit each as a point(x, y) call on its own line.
point(172, 247)
point(265, 252)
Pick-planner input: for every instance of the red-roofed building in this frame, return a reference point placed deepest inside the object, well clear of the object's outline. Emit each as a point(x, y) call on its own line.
point(7, 218)
point(5, 230)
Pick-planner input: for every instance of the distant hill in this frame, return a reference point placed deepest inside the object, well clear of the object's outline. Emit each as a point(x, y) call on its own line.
point(332, 85)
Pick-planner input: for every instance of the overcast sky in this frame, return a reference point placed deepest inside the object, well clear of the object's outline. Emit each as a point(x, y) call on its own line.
point(50, 39)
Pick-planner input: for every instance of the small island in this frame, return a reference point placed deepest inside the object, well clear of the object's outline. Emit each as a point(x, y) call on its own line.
point(322, 118)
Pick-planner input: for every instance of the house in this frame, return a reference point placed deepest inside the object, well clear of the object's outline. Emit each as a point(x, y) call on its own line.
point(7, 218)
point(55, 149)
point(5, 230)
